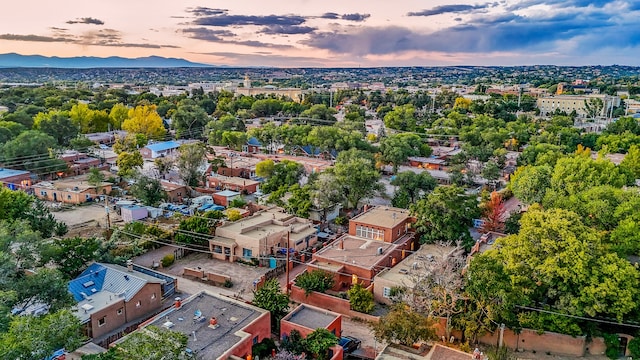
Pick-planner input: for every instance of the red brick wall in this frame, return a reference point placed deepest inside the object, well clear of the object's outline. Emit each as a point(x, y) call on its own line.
point(113, 320)
point(260, 327)
point(147, 304)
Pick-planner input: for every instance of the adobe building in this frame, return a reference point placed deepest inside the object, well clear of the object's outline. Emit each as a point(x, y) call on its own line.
point(175, 192)
point(161, 149)
point(110, 296)
point(242, 185)
point(70, 191)
point(264, 233)
point(378, 239)
point(15, 179)
point(218, 327)
point(306, 319)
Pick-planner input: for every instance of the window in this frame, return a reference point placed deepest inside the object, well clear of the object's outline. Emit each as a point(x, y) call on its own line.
point(68, 197)
point(138, 304)
point(255, 340)
point(386, 292)
point(217, 249)
point(43, 193)
point(102, 321)
point(153, 296)
point(247, 253)
point(119, 312)
point(369, 233)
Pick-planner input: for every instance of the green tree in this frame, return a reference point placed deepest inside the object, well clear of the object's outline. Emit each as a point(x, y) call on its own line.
point(196, 230)
point(396, 149)
point(58, 125)
point(630, 165)
point(326, 192)
point(146, 344)
point(191, 157)
point(270, 297)
point(299, 203)
point(265, 168)
point(414, 184)
point(403, 325)
point(37, 337)
point(530, 183)
point(319, 342)
point(285, 174)
point(401, 118)
point(360, 299)
point(234, 139)
point(128, 163)
point(320, 112)
point(149, 191)
point(31, 151)
point(445, 215)
point(355, 172)
point(71, 255)
point(315, 280)
point(88, 120)
point(17, 205)
point(593, 107)
point(189, 119)
point(118, 114)
point(47, 286)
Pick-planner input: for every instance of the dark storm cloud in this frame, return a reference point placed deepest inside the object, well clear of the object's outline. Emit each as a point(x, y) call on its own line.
point(451, 9)
point(202, 33)
point(205, 11)
point(86, 20)
point(574, 23)
point(330, 15)
point(355, 17)
point(287, 30)
point(243, 20)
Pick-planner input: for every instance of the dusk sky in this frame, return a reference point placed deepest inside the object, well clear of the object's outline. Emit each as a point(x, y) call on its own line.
point(329, 33)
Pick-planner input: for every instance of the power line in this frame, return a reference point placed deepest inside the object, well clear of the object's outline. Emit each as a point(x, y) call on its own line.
point(578, 317)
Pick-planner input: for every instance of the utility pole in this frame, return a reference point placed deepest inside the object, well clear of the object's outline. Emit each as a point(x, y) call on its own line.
point(287, 264)
point(106, 209)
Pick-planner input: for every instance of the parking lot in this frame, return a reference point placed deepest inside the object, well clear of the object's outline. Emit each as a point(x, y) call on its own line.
point(78, 215)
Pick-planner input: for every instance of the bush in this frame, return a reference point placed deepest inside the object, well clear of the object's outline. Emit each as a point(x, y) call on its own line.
point(228, 283)
point(168, 260)
point(316, 280)
point(340, 220)
point(612, 341)
point(263, 348)
point(634, 348)
point(361, 299)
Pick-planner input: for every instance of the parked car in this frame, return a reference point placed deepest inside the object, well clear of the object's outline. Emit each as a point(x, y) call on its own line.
point(349, 344)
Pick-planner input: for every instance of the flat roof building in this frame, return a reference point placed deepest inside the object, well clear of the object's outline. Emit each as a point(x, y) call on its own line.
point(218, 327)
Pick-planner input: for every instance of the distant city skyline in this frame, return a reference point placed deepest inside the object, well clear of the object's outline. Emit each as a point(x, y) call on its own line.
point(331, 33)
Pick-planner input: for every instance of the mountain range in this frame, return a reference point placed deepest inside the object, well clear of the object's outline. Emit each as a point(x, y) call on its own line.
point(14, 60)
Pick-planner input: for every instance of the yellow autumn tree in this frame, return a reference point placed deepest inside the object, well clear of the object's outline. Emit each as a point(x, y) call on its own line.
point(144, 119)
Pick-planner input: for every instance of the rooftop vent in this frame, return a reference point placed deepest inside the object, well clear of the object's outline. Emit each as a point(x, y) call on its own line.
point(380, 250)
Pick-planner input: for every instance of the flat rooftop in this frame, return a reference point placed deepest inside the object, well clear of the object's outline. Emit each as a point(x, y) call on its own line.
point(384, 216)
point(232, 316)
point(311, 317)
point(71, 186)
point(234, 180)
point(401, 273)
point(356, 251)
point(5, 173)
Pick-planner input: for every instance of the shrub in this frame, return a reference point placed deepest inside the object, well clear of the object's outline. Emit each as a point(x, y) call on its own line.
point(634, 348)
point(228, 283)
point(316, 280)
point(612, 341)
point(263, 348)
point(168, 260)
point(361, 299)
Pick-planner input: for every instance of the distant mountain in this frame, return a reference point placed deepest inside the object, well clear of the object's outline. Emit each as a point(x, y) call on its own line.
point(14, 60)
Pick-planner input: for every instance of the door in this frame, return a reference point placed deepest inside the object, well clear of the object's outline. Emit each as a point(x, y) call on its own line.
point(55, 197)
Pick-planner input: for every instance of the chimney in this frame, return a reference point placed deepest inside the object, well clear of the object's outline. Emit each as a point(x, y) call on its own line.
point(342, 244)
point(129, 266)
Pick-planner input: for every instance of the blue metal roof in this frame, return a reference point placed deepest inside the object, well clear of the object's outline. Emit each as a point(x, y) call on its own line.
point(108, 277)
point(254, 142)
point(5, 173)
point(163, 146)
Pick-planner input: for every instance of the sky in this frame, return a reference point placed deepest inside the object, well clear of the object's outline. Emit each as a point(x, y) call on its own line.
point(330, 33)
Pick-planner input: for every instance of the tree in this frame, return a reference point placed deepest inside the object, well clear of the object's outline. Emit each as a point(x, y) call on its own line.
point(149, 191)
point(118, 114)
point(413, 184)
point(320, 112)
point(530, 183)
point(148, 343)
point(58, 125)
point(315, 280)
point(401, 118)
point(71, 255)
point(96, 178)
point(163, 165)
point(87, 120)
point(129, 143)
point(319, 342)
point(360, 299)
point(493, 213)
point(143, 119)
point(445, 215)
point(491, 172)
point(265, 168)
point(16, 205)
point(128, 163)
point(396, 149)
point(234, 215)
point(189, 119)
point(577, 173)
point(190, 228)
point(403, 325)
point(234, 139)
point(190, 160)
point(299, 203)
point(47, 286)
point(355, 172)
point(631, 163)
point(326, 192)
point(37, 337)
point(285, 174)
point(270, 297)
point(31, 151)
point(593, 107)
